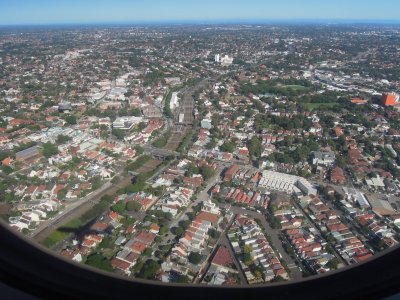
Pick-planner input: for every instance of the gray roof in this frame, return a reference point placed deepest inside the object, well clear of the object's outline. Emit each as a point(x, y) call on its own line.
point(29, 152)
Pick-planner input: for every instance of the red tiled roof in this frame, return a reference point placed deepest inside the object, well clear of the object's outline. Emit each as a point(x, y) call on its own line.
point(363, 257)
point(223, 257)
point(138, 247)
point(154, 227)
point(120, 264)
point(99, 226)
point(207, 216)
point(146, 237)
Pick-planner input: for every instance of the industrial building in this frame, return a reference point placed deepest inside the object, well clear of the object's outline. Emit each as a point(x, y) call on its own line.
point(27, 153)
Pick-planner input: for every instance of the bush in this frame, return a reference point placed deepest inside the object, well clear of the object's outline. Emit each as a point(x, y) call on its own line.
point(71, 119)
point(119, 207)
point(49, 150)
point(99, 261)
point(140, 161)
point(62, 233)
point(195, 258)
point(163, 140)
point(149, 269)
point(98, 209)
point(182, 279)
point(133, 206)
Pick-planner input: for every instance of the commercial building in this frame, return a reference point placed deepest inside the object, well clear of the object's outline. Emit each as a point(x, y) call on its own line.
point(390, 99)
point(126, 123)
point(174, 103)
point(64, 107)
point(323, 158)
point(206, 123)
point(286, 183)
point(27, 153)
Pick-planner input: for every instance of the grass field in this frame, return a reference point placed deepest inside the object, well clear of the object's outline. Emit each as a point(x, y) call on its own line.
point(313, 106)
point(298, 88)
point(62, 233)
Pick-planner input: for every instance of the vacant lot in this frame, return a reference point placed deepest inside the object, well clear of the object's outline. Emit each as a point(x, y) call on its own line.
point(149, 166)
point(175, 140)
point(315, 106)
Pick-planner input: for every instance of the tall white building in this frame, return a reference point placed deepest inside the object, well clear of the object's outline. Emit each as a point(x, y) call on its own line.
point(216, 58)
point(226, 60)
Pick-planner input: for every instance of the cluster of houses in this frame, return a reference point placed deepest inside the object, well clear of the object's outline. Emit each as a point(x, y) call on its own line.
point(32, 215)
point(288, 216)
point(86, 243)
point(145, 200)
point(250, 198)
point(131, 250)
point(85, 155)
point(222, 270)
point(262, 263)
point(130, 243)
point(378, 228)
point(176, 199)
point(310, 248)
point(143, 136)
point(194, 240)
point(346, 242)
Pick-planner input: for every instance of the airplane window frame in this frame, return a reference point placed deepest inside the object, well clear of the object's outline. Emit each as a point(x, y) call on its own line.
point(35, 270)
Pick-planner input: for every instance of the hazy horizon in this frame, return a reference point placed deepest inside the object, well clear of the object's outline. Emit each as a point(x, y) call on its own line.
point(250, 22)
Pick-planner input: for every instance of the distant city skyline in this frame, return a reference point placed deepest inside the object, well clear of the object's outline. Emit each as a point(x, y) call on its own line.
point(24, 12)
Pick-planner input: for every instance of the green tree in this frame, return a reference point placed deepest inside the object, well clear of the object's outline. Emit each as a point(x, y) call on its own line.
point(62, 139)
point(255, 147)
point(70, 119)
point(179, 231)
point(149, 269)
point(96, 182)
point(163, 230)
point(333, 263)
point(133, 206)
point(213, 233)
point(139, 150)
point(182, 279)
point(119, 207)
point(185, 224)
point(7, 169)
point(107, 242)
point(9, 197)
point(49, 149)
point(207, 172)
point(62, 193)
point(195, 258)
point(227, 147)
point(99, 261)
point(147, 252)
point(118, 133)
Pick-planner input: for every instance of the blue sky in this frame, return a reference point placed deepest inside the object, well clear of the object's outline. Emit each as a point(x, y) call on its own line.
point(137, 11)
